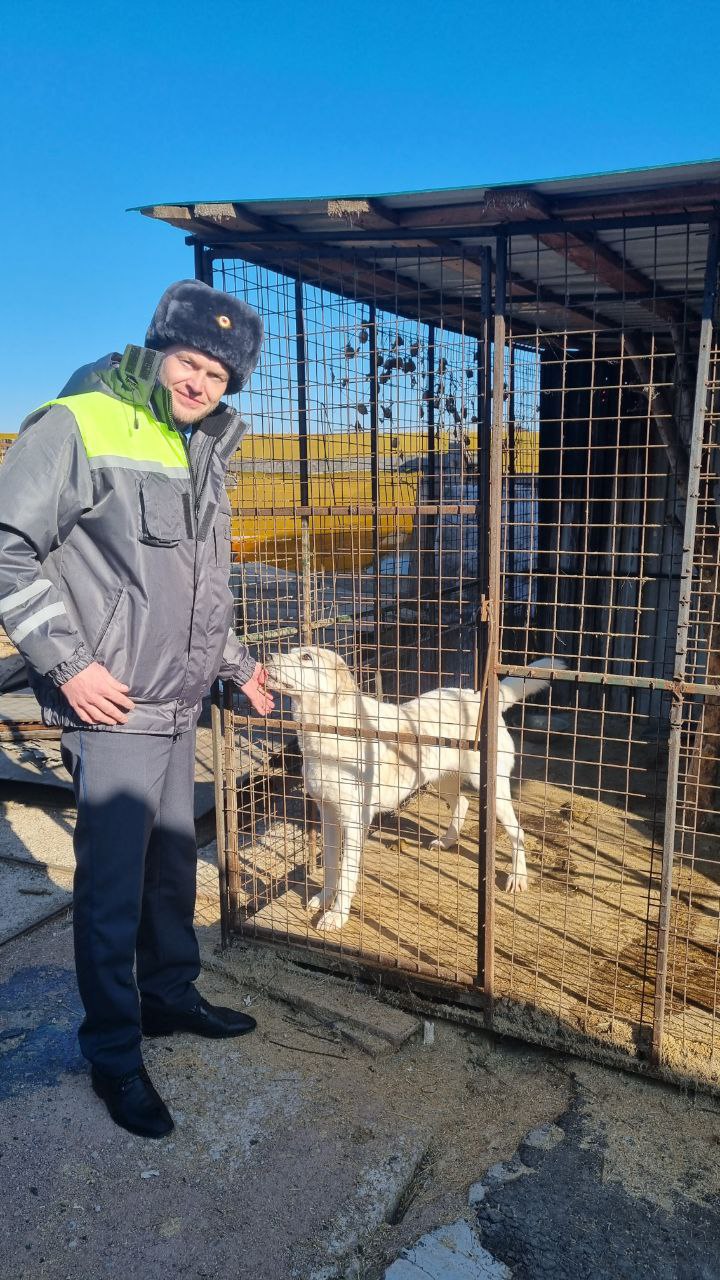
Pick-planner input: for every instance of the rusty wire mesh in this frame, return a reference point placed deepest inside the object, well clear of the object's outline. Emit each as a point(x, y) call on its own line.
point(691, 1015)
point(364, 550)
point(361, 525)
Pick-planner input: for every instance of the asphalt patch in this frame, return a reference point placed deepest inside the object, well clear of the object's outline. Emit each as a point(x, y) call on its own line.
point(40, 1012)
point(549, 1213)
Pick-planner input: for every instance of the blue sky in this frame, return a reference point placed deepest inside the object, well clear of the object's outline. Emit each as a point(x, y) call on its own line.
point(110, 105)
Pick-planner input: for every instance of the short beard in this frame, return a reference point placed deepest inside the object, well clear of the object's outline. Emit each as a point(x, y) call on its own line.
point(186, 417)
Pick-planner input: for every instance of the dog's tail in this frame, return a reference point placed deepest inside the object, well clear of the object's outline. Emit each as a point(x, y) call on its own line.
point(517, 688)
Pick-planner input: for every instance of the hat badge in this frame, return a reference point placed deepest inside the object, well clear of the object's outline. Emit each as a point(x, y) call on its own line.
point(224, 322)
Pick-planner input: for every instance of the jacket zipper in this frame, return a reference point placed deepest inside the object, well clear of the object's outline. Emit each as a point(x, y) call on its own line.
point(165, 410)
point(195, 502)
point(206, 473)
point(109, 619)
point(197, 494)
point(197, 489)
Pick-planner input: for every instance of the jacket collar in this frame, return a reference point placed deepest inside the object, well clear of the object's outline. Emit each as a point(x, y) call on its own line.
point(222, 419)
point(106, 376)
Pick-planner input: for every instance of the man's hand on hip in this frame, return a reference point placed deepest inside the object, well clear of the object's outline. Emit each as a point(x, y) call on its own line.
point(256, 691)
point(96, 697)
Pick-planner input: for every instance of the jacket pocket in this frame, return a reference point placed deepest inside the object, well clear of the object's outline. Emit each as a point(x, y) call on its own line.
point(108, 620)
point(222, 534)
point(165, 512)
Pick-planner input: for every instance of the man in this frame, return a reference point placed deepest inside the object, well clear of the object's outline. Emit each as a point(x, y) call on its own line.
point(114, 568)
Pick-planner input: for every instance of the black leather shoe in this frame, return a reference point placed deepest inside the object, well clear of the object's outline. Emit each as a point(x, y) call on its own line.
point(202, 1019)
point(134, 1103)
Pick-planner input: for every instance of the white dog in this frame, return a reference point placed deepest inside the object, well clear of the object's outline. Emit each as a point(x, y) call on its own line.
point(354, 774)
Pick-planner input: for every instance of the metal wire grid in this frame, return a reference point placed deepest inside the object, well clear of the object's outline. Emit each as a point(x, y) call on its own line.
point(368, 549)
point(693, 925)
point(384, 569)
point(592, 773)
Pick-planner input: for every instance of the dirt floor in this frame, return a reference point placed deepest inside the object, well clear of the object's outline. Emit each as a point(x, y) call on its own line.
point(326, 1146)
point(344, 1140)
point(575, 956)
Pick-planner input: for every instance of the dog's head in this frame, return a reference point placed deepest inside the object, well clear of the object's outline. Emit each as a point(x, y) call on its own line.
point(310, 670)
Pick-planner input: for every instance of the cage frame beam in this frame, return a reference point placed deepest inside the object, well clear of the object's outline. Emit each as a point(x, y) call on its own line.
point(681, 648)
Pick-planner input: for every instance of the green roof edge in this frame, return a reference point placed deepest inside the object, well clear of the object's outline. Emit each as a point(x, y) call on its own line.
point(381, 195)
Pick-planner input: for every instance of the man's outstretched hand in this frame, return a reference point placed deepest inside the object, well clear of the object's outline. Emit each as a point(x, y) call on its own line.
point(257, 692)
point(96, 697)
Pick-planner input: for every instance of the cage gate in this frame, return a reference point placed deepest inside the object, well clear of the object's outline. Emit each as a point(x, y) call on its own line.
point(467, 458)
point(378, 548)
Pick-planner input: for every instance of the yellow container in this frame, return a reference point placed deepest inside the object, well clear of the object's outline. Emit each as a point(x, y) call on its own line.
point(265, 494)
point(267, 479)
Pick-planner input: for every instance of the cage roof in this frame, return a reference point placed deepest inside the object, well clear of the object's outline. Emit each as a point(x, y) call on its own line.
point(593, 251)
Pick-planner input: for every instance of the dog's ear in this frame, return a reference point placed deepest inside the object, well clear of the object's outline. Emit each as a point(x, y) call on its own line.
point(344, 680)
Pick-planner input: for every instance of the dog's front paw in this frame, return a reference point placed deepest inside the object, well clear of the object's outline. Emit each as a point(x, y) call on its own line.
point(443, 842)
point(330, 920)
point(321, 900)
point(516, 882)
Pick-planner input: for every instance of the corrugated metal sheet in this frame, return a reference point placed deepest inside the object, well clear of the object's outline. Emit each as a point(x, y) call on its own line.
point(637, 235)
point(582, 184)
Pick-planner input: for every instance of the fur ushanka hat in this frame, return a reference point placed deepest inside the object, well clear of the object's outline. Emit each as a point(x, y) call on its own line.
point(191, 314)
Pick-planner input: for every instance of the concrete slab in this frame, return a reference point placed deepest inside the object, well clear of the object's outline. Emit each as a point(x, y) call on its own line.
point(331, 1003)
point(379, 1186)
point(450, 1253)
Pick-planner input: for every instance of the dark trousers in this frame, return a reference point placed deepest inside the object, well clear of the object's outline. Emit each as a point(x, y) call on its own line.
point(135, 877)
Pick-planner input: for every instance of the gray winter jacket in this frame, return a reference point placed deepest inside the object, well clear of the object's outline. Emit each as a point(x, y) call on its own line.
point(115, 547)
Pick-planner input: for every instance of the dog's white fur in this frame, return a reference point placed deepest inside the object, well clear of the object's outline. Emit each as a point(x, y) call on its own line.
point(353, 778)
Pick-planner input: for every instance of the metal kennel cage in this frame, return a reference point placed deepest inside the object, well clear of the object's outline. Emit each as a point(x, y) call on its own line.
point(484, 435)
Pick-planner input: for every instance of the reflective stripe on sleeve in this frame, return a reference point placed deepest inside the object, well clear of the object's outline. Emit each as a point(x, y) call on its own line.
point(36, 620)
point(25, 593)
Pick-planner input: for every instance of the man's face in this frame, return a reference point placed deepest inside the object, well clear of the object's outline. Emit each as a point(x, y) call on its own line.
point(196, 382)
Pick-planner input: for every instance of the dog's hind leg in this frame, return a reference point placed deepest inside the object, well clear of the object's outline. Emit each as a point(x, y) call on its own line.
point(354, 829)
point(517, 880)
point(449, 791)
point(330, 828)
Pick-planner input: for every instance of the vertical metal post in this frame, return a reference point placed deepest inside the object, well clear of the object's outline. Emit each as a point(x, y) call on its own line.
point(432, 436)
point(428, 490)
point(203, 260)
point(484, 419)
point(375, 485)
point(203, 263)
point(232, 855)
point(683, 625)
point(301, 365)
point(490, 423)
point(511, 435)
point(511, 495)
point(198, 252)
point(221, 833)
point(305, 620)
point(555, 378)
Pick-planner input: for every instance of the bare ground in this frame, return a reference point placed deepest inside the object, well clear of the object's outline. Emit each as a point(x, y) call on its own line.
point(575, 956)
